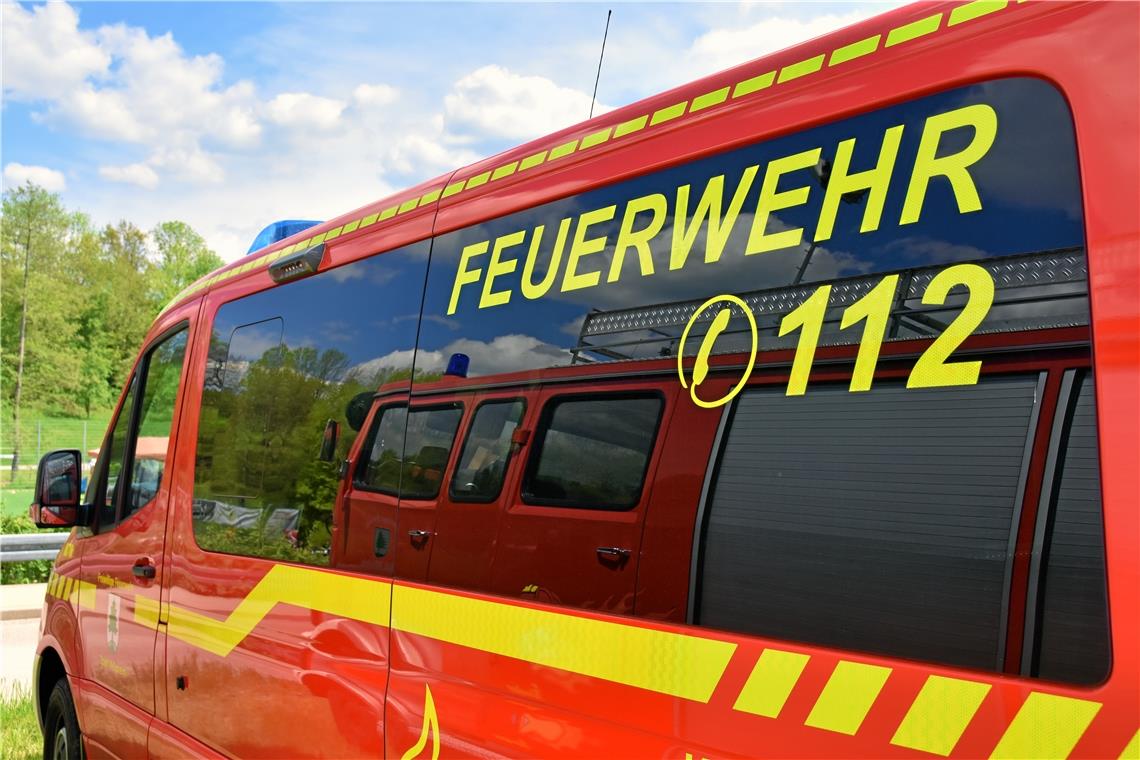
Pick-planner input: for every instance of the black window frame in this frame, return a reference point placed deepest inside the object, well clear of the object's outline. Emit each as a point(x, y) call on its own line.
point(543, 427)
point(366, 448)
point(138, 380)
point(460, 498)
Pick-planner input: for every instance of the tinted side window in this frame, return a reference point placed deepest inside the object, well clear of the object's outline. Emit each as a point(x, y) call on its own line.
point(875, 521)
point(282, 362)
point(483, 462)
point(592, 453)
point(114, 454)
point(426, 445)
point(156, 416)
point(1074, 610)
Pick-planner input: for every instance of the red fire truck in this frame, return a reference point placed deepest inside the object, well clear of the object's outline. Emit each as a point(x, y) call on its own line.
point(793, 412)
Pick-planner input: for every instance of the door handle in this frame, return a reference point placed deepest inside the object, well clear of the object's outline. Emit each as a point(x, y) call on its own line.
point(418, 535)
point(612, 552)
point(144, 568)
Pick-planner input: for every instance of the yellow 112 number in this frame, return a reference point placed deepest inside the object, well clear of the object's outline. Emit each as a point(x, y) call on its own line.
point(932, 369)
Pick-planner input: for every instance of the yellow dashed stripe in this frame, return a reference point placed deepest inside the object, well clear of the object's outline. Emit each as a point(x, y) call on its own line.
point(771, 682)
point(939, 715)
point(1047, 725)
point(910, 31)
point(847, 697)
point(669, 663)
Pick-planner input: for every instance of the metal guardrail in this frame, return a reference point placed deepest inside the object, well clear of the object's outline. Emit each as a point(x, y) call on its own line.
point(21, 547)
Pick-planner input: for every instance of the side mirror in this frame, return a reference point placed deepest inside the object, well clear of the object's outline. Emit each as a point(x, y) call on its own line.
point(328, 442)
point(357, 410)
point(57, 490)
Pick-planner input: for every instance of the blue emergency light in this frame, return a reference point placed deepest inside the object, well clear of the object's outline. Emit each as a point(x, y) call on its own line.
point(457, 365)
point(279, 231)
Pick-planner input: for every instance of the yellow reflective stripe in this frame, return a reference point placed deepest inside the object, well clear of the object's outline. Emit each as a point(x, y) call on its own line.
point(976, 9)
point(669, 663)
point(331, 234)
point(749, 86)
point(847, 697)
point(854, 50)
point(453, 188)
point(709, 99)
point(565, 149)
point(1047, 725)
point(913, 30)
point(771, 682)
point(86, 596)
point(596, 138)
point(939, 715)
point(369, 220)
point(146, 611)
point(65, 593)
point(478, 179)
point(1132, 749)
point(505, 170)
point(531, 161)
point(668, 113)
point(344, 596)
point(408, 205)
point(53, 580)
point(430, 197)
point(631, 126)
point(387, 213)
point(803, 68)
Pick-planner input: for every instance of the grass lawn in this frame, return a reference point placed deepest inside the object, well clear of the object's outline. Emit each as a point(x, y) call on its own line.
point(19, 732)
point(15, 501)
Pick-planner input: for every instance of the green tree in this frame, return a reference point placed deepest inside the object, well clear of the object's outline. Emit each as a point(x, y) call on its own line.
point(183, 257)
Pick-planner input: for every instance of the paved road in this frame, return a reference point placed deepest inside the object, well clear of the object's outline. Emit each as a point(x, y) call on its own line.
point(17, 648)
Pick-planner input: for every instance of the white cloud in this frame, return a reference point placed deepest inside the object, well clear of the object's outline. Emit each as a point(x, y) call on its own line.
point(305, 110)
point(49, 179)
point(132, 174)
point(374, 95)
point(45, 55)
point(728, 46)
point(495, 101)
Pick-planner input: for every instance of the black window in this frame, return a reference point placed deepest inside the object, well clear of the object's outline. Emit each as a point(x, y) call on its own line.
point(137, 448)
point(281, 364)
point(410, 463)
point(1073, 617)
point(483, 461)
point(592, 452)
point(877, 521)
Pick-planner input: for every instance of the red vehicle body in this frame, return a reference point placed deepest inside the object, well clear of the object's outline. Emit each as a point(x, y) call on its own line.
point(516, 625)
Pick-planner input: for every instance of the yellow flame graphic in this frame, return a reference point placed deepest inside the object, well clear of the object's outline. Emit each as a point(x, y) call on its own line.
point(431, 724)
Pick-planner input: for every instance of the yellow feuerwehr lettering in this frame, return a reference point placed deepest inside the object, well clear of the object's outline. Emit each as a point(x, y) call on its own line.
point(463, 275)
point(874, 181)
point(954, 167)
point(499, 267)
point(583, 247)
point(658, 206)
point(760, 241)
point(708, 211)
point(529, 288)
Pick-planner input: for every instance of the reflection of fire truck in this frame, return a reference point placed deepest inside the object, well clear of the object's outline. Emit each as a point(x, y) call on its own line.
point(792, 412)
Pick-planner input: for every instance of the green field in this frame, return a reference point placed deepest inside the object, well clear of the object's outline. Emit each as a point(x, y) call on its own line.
point(19, 733)
point(15, 501)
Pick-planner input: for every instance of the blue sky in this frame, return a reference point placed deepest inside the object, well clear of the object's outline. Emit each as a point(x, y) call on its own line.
point(229, 115)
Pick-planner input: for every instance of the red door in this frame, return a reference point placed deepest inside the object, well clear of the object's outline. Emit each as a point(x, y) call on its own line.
point(477, 490)
point(122, 553)
point(571, 533)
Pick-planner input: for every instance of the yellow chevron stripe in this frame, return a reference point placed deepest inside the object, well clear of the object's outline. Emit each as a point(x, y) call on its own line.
point(360, 599)
point(1047, 725)
point(939, 714)
point(1132, 749)
point(676, 664)
point(771, 682)
point(847, 697)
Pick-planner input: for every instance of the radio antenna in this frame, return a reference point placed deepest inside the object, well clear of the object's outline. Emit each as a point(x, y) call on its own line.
point(605, 34)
